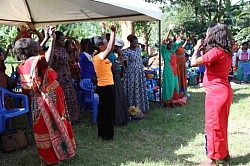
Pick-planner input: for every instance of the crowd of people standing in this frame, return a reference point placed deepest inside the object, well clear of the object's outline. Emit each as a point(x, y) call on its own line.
point(118, 74)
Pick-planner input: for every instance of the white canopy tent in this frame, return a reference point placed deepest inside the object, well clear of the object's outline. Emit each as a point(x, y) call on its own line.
point(41, 12)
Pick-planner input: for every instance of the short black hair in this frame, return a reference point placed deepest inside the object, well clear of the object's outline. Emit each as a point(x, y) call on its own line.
point(59, 34)
point(245, 43)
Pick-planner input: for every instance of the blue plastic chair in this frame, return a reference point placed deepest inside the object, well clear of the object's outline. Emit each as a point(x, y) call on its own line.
point(89, 97)
point(192, 76)
point(151, 89)
point(79, 92)
point(245, 71)
point(6, 115)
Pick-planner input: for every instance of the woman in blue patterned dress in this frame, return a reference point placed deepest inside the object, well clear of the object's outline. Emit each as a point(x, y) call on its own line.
point(134, 76)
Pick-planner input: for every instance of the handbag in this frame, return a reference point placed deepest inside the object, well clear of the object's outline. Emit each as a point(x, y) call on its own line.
point(13, 140)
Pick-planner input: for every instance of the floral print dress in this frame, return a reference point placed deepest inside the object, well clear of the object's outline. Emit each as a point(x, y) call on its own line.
point(61, 65)
point(135, 80)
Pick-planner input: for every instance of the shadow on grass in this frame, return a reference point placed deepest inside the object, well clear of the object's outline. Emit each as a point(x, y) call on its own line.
point(241, 160)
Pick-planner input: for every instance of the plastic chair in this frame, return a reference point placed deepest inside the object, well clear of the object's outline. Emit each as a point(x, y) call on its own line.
point(90, 97)
point(192, 76)
point(18, 87)
point(6, 115)
point(246, 71)
point(151, 89)
point(79, 92)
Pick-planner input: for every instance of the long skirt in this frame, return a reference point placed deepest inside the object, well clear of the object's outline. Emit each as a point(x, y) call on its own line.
point(52, 129)
point(106, 112)
point(217, 105)
point(121, 106)
point(182, 73)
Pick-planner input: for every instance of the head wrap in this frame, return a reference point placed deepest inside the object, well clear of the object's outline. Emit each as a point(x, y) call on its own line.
point(119, 42)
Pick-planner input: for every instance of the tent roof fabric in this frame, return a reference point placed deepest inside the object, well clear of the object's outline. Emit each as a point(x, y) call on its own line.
point(41, 12)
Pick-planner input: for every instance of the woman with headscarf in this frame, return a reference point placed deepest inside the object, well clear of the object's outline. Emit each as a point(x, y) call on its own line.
point(170, 85)
point(134, 79)
point(218, 48)
point(121, 105)
point(52, 129)
point(60, 63)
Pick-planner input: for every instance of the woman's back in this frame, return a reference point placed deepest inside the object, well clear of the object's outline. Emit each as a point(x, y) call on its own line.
point(218, 63)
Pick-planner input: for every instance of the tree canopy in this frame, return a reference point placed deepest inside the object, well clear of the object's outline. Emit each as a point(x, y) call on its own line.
point(193, 16)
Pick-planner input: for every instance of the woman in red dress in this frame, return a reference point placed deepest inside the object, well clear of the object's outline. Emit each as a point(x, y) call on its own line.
point(51, 126)
point(218, 47)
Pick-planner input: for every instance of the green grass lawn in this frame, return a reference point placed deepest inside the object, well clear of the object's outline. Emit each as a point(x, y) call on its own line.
point(164, 137)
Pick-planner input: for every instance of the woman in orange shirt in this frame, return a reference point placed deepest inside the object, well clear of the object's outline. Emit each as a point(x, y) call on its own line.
point(105, 84)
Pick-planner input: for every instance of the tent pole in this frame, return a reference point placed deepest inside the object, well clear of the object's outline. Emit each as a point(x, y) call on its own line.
point(159, 24)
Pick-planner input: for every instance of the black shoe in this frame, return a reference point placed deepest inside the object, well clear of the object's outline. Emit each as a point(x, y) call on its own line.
point(172, 105)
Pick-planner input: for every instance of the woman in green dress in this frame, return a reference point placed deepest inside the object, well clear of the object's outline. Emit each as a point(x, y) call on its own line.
point(170, 86)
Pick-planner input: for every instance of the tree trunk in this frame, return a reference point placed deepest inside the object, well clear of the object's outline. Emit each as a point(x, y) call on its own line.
point(127, 29)
point(146, 37)
point(220, 10)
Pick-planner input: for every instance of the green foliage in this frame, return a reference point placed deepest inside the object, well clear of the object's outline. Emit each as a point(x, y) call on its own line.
point(196, 15)
point(85, 29)
point(7, 35)
point(243, 35)
point(190, 15)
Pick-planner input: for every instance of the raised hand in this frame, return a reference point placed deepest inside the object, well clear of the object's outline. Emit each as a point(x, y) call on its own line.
point(102, 24)
point(112, 27)
point(23, 28)
point(199, 44)
point(46, 32)
point(31, 26)
point(52, 30)
point(171, 26)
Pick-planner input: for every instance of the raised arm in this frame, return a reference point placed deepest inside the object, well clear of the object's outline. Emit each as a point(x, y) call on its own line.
point(21, 31)
point(39, 34)
point(111, 43)
point(168, 33)
point(103, 29)
point(170, 29)
point(195, 60)
point(46, 36)
point(185, 43)
point(50, 52)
